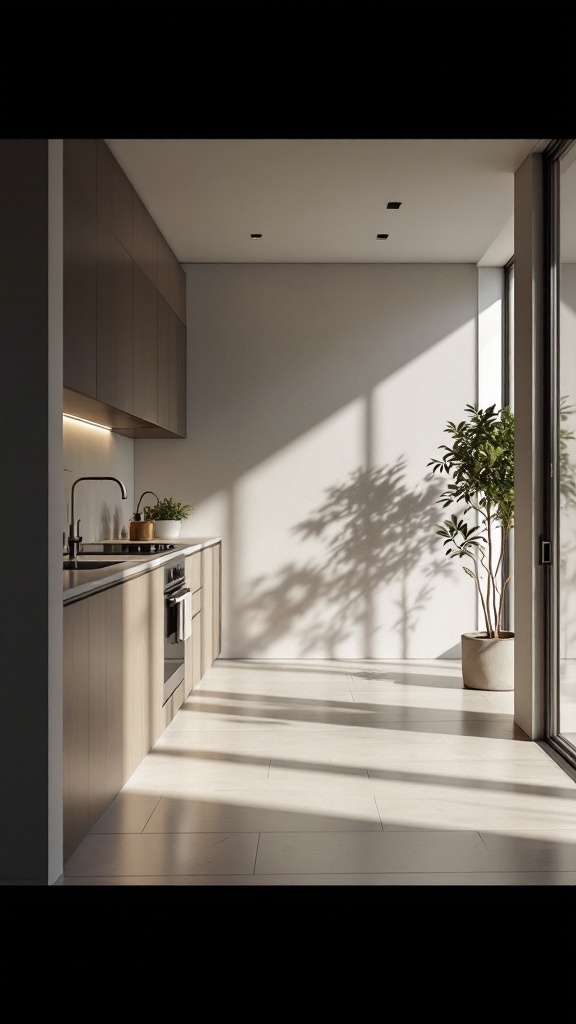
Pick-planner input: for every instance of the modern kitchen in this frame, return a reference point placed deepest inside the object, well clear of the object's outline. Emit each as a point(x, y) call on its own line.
point(282, 641)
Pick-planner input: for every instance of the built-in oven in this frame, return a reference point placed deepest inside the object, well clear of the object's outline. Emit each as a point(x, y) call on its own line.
point(177, 625)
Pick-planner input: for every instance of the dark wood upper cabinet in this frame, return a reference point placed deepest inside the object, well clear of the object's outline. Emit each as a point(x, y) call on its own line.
point(167, 365)
point(124, 302)
point(171, 370)
point(165, 255)
point(178, 289)
point(181, 410)
point(145, 347)
point(115, 203)
point(145, 240)
point(80, 264)
point(115, 323)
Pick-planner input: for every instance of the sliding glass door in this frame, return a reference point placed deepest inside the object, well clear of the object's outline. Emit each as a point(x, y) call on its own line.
point(561, 450)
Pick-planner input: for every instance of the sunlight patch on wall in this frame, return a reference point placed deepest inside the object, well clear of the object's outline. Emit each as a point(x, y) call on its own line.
point(409, 413)
point(490, 295)
point(281, 491)
point(411, 407)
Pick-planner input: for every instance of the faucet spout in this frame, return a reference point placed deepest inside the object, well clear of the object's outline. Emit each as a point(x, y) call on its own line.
point(74, 538)
point(137, 514)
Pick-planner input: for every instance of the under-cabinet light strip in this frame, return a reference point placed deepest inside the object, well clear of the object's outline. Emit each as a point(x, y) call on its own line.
point(89, 423)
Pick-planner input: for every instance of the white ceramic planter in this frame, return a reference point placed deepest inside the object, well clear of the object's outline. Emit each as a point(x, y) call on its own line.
point(167, 529)
point(487, 664)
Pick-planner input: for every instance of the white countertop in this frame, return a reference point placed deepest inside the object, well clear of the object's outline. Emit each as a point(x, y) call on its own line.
point(81, 582)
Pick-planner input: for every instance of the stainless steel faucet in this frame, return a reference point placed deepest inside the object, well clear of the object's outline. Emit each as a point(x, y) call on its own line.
point(74, 538)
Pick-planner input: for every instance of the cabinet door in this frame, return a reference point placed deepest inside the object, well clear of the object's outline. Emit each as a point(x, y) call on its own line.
point(76, 726)
point(115, 198)
point(115, 370)
point(143, 632)
point(180, 420)
point(80, 265)
point(167, 366)
point(194, 570)
point(177, 288)
point(188, 656)
point(193, 663)
point(107, 650)
point(165, 255)
point(136, 630)
point(196, 649)
point(145, 347)
point(145, 240)
point(207, 656)
point(92, 724)
point(216, 600)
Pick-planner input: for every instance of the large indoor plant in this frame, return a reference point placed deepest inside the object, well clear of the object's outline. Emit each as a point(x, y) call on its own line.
point(167, 515)
point(480, 467)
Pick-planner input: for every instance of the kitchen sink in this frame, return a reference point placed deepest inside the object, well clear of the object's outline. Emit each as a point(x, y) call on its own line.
point(80, 564)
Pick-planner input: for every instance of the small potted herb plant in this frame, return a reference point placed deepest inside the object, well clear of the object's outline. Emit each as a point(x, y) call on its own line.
point(167, 516)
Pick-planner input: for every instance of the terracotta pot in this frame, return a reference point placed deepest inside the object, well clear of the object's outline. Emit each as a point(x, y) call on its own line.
point(487, 664)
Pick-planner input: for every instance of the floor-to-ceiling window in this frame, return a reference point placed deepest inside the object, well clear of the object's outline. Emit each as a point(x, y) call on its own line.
point(508, 399)
point(508, 337)
point(560, 406)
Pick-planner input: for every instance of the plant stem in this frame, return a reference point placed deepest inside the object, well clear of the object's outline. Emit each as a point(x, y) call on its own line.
point(481, 595)
point(505, 533)
point(486, 604)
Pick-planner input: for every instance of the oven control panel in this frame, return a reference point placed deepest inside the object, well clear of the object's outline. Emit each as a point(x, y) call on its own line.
point(174, 574)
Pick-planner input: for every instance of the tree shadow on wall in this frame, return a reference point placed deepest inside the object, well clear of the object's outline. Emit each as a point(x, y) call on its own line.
point(375, 531)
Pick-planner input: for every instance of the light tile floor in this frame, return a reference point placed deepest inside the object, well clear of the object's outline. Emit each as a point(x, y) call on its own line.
point(346, 773)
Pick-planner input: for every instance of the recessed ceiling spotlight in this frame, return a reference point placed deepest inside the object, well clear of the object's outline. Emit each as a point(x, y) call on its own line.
point(255, 236)
point(393, 206)
point(381, 236)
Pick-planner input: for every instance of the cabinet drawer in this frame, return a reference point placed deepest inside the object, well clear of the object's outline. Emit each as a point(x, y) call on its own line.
point(196, 602)
point(194, 571)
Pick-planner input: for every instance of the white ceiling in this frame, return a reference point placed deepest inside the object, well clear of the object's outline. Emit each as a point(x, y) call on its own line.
point(325, 200)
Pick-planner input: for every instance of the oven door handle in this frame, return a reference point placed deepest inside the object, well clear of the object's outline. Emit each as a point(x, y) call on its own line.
point(179, 596)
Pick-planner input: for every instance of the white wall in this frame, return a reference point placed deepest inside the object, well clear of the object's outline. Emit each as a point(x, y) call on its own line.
point(91, 451)
point(491, 282)
point(490, 304)
point(316, 396)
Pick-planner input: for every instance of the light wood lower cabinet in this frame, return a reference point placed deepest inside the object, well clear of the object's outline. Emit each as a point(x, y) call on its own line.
point(192, 664)
point(203, 576)
point(211, 605)
point(76, 725)
point(113, 682)
point(216, 601)
point(113, 677)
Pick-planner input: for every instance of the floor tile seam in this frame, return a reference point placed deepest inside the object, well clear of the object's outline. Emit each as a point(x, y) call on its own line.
point(153, 811)
point(380, 789)
point(256, 851)
point(350, 683)
point(529, 785)
point(530, 830)
point(426, 831)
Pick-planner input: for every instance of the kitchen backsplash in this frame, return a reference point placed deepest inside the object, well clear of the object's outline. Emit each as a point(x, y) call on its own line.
point(89, 451)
